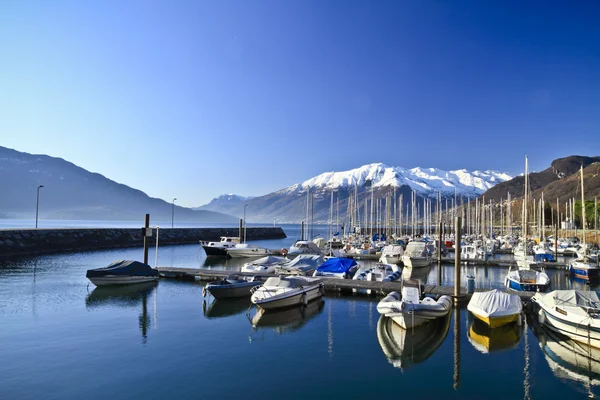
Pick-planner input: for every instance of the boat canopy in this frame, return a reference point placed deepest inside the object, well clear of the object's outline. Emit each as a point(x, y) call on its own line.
point(581, 298)
point(495, 303)
point(285, 282)
point(392, 249)
point(123, 267)
point(268, 260)
point(336, 264)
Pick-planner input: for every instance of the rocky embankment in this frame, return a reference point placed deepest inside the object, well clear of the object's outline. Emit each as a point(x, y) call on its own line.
point(18, 242)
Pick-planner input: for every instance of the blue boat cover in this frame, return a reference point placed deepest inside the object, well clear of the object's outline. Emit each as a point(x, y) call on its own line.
point(337, 265)
point(123, 267)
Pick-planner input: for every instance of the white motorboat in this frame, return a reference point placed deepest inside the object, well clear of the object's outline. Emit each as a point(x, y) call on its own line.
point(265, 265)
point(379, 273)
point(219, 248)
point(122, 272)
point(391, 254)
point(416, 255)
point(528, 280)
point(288, 291)
point(304, 247)
point(410, 310)
point(495, 308)
point(243, 250)
point(574, 313)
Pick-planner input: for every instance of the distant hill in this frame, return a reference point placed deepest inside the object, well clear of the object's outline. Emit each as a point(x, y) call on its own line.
point(71, 192)
point(226, 203)
point(561, 180)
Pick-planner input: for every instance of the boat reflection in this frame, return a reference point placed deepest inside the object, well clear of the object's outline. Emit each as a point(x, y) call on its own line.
point(568, 359)
point(404, 348)
point(420, 274)
point(225, 307)
point(486, 339)
point(120, 296)
point(286, 320)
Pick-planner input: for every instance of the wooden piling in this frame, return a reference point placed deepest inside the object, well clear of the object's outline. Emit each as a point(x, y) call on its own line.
point(240, 234)
point(457, 238)
point(145, 234)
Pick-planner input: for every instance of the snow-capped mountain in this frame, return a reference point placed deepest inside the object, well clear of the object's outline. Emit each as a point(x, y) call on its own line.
point(231, 202)
point(425, 181)
point(290, 204)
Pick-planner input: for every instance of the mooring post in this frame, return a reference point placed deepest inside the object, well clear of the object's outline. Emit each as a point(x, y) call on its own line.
point(146, 227)
point(457, 237)
point(439, 271)
point(240, 234)
point(302, 231)
point(440, 246)
point(556, 242)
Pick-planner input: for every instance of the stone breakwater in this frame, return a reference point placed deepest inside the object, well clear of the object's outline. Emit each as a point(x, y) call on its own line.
point(18, 242)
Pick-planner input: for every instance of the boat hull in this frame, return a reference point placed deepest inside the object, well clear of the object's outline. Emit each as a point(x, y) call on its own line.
point(495, 322)
point(289, 299)
point(215, 251)
point(415, 262)
point(585, 273)
point(576, 332)
point(110, 280)
point(248, 253)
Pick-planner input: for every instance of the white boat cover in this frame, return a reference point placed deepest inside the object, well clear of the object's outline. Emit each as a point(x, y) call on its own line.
point(581, 298)
point(268, 260)
point(289, 282)
point(494, 303)
point(392, 249)
point(303, 262)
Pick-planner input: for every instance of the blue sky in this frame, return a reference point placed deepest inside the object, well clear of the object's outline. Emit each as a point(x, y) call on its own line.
point(193, 99)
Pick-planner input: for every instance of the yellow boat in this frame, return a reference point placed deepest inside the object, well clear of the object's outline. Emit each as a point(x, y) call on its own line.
point(495, 308)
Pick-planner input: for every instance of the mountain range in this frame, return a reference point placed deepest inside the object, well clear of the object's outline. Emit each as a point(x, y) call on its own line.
point(71, 192)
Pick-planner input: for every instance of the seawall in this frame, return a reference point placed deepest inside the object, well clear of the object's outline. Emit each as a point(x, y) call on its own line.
point(22, 242)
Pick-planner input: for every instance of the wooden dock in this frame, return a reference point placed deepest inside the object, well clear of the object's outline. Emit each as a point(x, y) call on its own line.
point(331, 284)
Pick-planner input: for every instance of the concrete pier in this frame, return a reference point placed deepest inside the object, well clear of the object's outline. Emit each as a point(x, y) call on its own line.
point(23, 242)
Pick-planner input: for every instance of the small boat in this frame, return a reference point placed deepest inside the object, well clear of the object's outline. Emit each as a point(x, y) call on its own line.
point(495, 308)
point(265, 265)
point(416, 255)
point(304, 247)
point(585, 267)
point(526, 279)
point(122, 272)
point(287, 291)
point(335, 267)
point(574, 313)
point(243, 250)
point(302, 264)
point(219, 248)
point(412, 311)
point(391, 254)
point(231, 287)
point(379, 273)
point(405, 348)
point(485, 339)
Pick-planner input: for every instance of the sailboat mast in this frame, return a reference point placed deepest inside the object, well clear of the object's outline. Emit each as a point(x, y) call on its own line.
point(582, 209)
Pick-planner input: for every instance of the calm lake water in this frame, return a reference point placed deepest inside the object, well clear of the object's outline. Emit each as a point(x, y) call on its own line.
point(61, 337)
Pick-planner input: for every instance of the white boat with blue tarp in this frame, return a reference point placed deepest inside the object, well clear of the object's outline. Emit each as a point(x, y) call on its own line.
point(337, 267)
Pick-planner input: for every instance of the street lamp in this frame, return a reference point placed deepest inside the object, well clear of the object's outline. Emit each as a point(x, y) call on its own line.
point(37, 205)
point(245, 205)
point(173, 212)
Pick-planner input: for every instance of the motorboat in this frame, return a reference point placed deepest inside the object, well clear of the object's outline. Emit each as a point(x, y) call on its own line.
point(410, 310)
point(574, 313)
point(122, 272)
point(585, 266)
point(264, 265)
point(302, 264)
point(405, 348)
point(304, 247)
point(219, 248)
point(526, 279)
point(486, 340)
point(542, 253)
point(231, 287)
point(287, 291)
point(244, 250)
point(416, 255)
point(495, 308)
point(469, 252)
point(391, 254)
point(379, 273)
point(336, 267)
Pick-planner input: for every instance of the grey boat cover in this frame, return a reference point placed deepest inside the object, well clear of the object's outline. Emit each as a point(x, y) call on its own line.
point(495, 304)
point(268, 260)
point(581, 298)
point(303, 263)
point(123, 267)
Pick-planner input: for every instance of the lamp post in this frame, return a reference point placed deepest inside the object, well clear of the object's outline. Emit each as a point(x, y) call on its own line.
point(245, 205)
point(37, 205)
point(173, 212)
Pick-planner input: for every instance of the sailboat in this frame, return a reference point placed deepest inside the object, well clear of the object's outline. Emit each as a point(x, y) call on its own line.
point(584, 266)
point(524, 277)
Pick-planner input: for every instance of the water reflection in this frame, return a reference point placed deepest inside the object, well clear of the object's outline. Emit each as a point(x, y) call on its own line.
point(487, 340)
point(405, 348)
point(225, 307)
point(568, 359)
point(124, 296)
point(286, 320)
